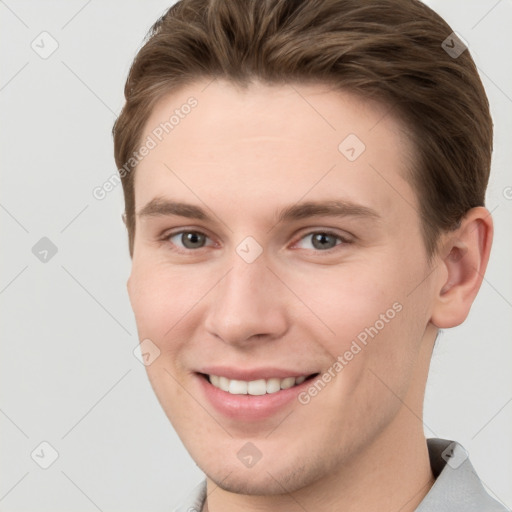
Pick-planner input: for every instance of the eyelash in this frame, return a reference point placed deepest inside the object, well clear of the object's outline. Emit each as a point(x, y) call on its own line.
point(343, 240)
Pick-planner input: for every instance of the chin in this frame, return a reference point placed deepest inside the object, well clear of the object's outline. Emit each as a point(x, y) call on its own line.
point(265, 481)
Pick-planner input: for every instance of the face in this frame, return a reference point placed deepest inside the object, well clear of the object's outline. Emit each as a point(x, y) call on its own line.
point(278, 244)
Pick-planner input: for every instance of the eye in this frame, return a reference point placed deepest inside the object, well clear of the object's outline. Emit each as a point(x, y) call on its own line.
point(322, 240)
point(183, 241)
point(187, 240)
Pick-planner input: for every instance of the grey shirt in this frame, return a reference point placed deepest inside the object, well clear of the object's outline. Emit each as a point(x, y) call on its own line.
point(457, 487)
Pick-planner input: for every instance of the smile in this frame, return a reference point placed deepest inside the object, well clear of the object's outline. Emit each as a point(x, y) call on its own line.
point(254, 387)
point(257, 394)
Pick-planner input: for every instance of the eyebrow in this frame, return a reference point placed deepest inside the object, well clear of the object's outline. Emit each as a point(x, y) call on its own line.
point(337, 208)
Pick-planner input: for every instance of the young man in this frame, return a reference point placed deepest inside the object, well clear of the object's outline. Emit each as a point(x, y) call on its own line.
point(304, 185)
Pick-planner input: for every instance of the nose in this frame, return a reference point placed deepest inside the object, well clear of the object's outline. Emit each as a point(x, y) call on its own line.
point(248, 304)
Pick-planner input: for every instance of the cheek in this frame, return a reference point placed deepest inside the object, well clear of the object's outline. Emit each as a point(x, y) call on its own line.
point(160, 299)
point(367, 317)
point(346, 301)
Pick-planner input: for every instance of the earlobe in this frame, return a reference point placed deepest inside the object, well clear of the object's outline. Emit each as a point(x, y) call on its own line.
point(464, 255)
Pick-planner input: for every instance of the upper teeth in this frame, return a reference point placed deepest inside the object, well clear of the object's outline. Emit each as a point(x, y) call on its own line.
point(254, 387)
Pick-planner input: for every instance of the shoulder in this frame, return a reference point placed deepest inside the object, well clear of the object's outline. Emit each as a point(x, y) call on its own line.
point(457, 487)
point(195, 500)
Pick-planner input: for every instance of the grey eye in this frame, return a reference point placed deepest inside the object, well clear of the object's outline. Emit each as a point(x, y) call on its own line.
point(189, 239)
point(323, 241)
point(320, 240)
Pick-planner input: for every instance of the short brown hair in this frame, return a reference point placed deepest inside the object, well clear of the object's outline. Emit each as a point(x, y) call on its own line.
point(389, 50)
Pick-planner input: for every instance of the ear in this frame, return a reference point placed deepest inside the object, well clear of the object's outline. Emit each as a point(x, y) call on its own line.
point(129, 289)
point(123, 216)
point(463, 257)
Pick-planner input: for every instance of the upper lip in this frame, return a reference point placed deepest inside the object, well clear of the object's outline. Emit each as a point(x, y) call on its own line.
point(250, 374)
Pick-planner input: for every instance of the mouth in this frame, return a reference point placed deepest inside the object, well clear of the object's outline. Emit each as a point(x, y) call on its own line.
point(256, 387)
point(252, 395)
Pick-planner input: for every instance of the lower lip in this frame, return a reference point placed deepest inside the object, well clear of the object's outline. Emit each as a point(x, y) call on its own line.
point(250, 407)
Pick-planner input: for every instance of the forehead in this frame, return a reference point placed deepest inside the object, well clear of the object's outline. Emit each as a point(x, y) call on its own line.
point(213, 139)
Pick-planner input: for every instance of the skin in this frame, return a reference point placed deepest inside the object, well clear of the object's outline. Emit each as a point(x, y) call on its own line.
point(243, 155)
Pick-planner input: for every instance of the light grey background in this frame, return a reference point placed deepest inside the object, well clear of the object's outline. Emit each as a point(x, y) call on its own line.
point(68, 373)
